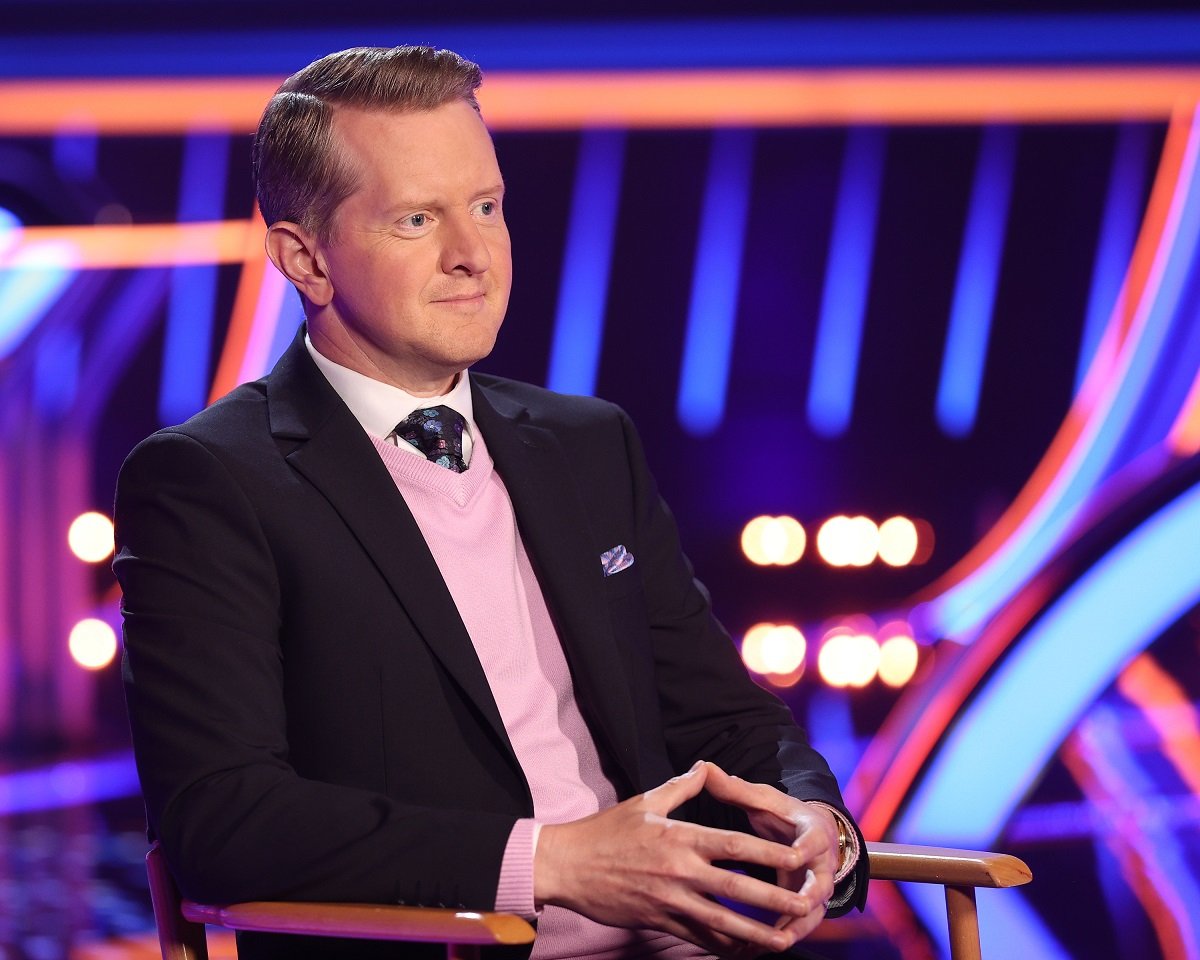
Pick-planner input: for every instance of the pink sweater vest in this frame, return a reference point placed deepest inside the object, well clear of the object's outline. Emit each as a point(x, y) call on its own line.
point(468, 522)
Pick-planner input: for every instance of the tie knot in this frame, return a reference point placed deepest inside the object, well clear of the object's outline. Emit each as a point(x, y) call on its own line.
point(437, 432)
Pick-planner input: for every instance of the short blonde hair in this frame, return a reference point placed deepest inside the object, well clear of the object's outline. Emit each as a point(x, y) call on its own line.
point(298, 175)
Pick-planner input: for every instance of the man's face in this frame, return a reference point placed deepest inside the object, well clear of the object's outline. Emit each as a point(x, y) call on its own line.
point(418, 259)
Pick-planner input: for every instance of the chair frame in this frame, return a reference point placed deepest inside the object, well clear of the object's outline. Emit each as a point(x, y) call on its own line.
point(181, 932)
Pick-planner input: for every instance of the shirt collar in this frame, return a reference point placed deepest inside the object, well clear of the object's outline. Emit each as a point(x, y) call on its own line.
point(379, 406)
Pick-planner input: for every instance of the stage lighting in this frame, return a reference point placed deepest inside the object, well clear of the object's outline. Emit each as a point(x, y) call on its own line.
point(90, 537)
point(897, 660)
point(92, 643)
point(848, 541)
point(778, 541)
point(897, 541)
point(774, 648)
point(848, 659)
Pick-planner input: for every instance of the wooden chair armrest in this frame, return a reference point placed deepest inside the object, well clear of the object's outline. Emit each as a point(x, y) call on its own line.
point(945, 865)
point(365, 921)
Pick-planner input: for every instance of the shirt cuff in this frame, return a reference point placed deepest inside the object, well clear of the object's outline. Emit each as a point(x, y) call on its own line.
point(514, 891)
point(851, 852)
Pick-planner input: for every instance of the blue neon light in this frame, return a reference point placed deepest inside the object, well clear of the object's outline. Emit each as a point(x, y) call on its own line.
point(1128, 784)
point(975, 289)
point(1008, 925)
point(712, 311)
point(1003, 740)
point(727, 42)
point(76, 153)
point(191, 310)
point(1118, 232)
point(829, 724)
point(587, 261)
point(30, 282)
point(287, 321)
point(959, 611)
point(847, 281)
point(69, 784)
point(56, 366)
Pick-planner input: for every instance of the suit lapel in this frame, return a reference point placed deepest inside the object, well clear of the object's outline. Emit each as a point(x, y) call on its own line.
point(556, 531)
point(336, 457)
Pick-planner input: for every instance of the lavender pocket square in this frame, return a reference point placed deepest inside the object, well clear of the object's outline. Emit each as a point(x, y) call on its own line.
point(616, 560)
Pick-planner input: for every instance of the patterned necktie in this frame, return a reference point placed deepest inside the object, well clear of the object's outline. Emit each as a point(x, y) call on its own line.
point(437, 432)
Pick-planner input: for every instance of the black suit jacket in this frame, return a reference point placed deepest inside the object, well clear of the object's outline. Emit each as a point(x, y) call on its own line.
point(309, 717)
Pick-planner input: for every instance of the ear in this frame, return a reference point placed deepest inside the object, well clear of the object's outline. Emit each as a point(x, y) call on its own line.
point(296, 253)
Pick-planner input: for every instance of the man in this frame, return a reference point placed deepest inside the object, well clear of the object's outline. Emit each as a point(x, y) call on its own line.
point(399, 634)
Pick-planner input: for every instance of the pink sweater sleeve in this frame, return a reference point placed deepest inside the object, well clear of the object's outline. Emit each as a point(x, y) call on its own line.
point(514, 892)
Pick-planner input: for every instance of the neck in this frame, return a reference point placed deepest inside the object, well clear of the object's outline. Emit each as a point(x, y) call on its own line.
point(347, 352)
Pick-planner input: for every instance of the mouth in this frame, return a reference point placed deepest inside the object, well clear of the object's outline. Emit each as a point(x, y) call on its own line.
point(467, 296)
point(465, 301)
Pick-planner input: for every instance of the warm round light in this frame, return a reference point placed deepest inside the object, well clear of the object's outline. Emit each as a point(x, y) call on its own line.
point(773, 540)
point(783, 649)
point(752, 643)
point(897, 541)
point(897, 660)
point(754, 540)
point(848, 541)
point(848, 659)
point(862, 541)
point(831, 541)
point(773, 648)
point(92, 643)
point(90, 537)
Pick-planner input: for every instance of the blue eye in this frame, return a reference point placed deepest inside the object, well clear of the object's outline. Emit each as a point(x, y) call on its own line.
point(417, 220)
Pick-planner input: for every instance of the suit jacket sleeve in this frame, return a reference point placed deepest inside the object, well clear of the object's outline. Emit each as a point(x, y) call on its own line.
point(204, 670)
point(711, 709)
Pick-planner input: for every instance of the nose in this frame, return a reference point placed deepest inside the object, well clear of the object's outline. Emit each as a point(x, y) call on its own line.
point(464, 249)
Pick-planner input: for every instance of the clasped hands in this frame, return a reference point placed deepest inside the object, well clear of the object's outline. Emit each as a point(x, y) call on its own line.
point(631, 866)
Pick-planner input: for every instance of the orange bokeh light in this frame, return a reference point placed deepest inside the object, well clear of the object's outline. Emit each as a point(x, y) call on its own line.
point(774, 649)
point(778, 541)
point(92, 643)
point(90, 537)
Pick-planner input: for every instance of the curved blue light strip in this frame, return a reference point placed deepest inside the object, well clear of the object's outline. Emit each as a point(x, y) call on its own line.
point(711, 42)
point(847, 281)
point(1002, 741)
point(1118, 233)
point(716, 277)
point(587, 261)
point(975, 288)
point(960, 610)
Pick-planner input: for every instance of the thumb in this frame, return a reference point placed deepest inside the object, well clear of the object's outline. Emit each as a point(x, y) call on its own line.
point(666, 797)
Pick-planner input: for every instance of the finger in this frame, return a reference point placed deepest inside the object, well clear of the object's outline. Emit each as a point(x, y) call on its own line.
point(750, 796)
point(801, 927)
point(817, 886)
point(816, 841)
point(667, 796)
point(730, 885)
point(714, 844)
point(707, 922)
point(731, 789)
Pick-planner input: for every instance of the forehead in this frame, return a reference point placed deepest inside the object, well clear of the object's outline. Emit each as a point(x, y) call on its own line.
point(445, 148)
